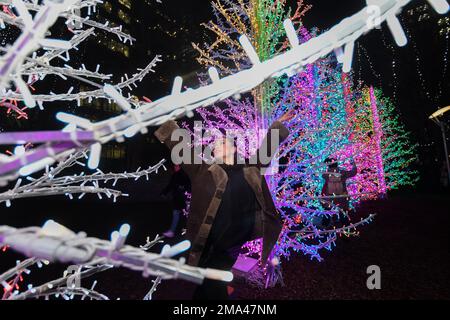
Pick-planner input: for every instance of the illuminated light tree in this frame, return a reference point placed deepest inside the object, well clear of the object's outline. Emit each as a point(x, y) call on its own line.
point(52, 183)
point(346, 123)
point(63, 287)
point(28, 59)
point(361, 147)
point(321, 96)
point(54, 242)
point(329, 122)
point(387, 143)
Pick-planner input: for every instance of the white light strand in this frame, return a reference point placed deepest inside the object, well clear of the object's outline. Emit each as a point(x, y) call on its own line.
point(68, 247)
point(49, 184)
point(98, 93)
point(38, 67)
point(64, 285)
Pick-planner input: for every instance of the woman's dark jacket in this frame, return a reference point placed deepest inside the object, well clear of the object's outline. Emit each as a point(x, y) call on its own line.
point(208, 182)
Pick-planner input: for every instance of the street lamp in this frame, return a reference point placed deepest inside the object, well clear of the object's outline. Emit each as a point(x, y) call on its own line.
point(436, 117)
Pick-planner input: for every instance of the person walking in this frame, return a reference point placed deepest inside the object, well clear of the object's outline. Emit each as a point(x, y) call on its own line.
point(177, 188)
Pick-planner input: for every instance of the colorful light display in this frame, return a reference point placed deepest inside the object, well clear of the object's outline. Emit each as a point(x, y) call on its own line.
point(332, 119)
point(321, 98)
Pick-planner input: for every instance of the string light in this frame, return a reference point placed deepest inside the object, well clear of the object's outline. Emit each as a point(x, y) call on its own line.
point(444, 69)
point(376, 74)
point(418, 63)
point(394, 65)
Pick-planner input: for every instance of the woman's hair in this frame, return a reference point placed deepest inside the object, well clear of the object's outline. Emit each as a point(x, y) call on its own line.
point(331, 162)
point(238, 158)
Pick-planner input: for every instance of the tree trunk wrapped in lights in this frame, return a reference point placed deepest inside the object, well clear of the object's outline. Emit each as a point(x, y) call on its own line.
point(387, 153)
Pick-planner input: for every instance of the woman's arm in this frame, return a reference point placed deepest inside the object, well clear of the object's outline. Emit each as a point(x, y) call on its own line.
point(176, 143)
point(267, 149)
point(352, 172)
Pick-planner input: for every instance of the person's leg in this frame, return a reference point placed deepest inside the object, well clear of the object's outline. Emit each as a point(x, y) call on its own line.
point(214, 289)
point(345, 212)
point(211, 290)
point(175, 218)
point(325, 220)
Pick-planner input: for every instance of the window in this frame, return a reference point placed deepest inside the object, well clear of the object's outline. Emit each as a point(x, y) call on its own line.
point(115, 46)
point(107, 6)
point(126, 3)
point(113, 151)
point(124, 17)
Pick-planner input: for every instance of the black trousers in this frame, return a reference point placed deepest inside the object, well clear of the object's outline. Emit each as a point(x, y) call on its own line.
point(217, 259)
point(222, 250)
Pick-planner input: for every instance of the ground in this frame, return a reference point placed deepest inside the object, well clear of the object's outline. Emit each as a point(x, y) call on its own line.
point(408, 240)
